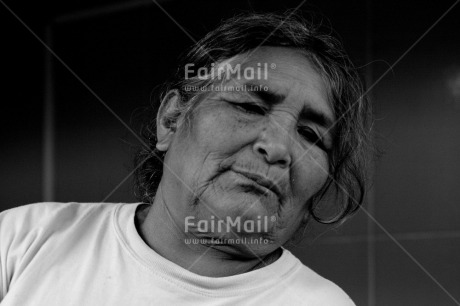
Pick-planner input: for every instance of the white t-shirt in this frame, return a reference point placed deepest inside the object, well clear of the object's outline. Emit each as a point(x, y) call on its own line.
point(57, 254)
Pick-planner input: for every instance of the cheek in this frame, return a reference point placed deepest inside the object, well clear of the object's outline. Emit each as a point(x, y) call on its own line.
point(218, 129)
point(212, 135)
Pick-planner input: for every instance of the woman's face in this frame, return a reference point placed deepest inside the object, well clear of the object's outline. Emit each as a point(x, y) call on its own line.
point(252, 158)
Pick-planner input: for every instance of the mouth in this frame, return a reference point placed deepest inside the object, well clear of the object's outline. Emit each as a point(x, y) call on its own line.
point(266, 184)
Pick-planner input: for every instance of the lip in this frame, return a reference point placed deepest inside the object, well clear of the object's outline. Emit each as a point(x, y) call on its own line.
point(262, 181)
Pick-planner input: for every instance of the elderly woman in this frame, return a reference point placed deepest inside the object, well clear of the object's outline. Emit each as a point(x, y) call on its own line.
point(264, 119)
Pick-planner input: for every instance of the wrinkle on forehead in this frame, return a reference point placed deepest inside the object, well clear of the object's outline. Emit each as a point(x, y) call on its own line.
point(295, 77)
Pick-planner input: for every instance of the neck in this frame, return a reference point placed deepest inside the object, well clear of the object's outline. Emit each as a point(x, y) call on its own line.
point(158, 230)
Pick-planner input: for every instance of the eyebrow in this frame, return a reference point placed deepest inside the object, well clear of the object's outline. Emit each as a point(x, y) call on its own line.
point(308, 113)
point(271, 97)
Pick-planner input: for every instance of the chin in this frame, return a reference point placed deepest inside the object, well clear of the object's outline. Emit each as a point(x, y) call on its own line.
point(240, 204)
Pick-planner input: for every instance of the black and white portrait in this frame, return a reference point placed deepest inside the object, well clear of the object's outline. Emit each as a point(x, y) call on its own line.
point(230, 153)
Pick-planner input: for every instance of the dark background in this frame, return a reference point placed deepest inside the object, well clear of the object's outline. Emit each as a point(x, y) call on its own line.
point(60, 143)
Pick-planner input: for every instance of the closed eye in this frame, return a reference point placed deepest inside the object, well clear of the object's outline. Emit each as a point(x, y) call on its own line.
point(311, 136)
point(249, 107)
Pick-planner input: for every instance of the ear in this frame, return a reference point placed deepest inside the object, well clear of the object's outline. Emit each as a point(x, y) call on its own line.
point(167, 119)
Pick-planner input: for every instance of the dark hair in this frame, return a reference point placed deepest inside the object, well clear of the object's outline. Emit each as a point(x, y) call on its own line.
point(243, 33)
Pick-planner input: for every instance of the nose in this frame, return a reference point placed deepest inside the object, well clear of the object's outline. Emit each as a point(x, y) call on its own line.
point(273, 146)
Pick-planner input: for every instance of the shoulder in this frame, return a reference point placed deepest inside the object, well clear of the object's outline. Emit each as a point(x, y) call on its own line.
point(35, 211)
point(316, 289)
point(27, 219)
point(39, 213)
point(37, 230)
point(27, 229)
